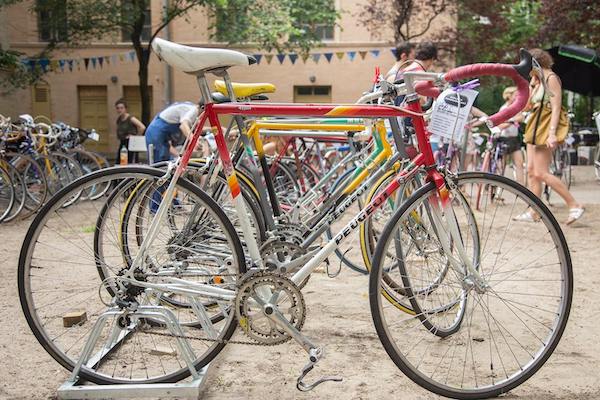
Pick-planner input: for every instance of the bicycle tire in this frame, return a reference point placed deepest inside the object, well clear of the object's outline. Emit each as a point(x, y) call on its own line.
point(20, 194)
point(499, 385)
point(54, 205)
point(342, 180)
point(34, 178)
point(7, 193)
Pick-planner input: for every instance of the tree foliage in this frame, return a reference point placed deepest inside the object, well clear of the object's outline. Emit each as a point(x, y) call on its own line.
point(273, 24)
point(408, 19)
point(14, 74)
point(269, 24)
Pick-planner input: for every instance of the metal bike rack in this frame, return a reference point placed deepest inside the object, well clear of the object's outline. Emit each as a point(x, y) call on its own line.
point(74, 389)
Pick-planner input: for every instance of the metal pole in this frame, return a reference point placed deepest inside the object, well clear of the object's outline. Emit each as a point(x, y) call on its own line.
point(150, 154)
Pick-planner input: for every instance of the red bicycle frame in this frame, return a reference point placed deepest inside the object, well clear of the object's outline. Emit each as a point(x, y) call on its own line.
point(413, 110)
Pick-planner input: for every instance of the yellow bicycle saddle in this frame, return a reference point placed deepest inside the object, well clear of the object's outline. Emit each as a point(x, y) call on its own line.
point(243, 90)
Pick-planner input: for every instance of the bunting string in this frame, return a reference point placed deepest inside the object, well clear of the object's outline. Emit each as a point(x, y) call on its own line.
point(97, 63)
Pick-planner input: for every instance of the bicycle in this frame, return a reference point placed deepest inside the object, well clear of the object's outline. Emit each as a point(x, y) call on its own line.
point(270, 306)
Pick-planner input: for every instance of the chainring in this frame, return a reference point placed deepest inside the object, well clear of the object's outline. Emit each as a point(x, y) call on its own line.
point(276, 254)
point(290, 232)
point(255, 324)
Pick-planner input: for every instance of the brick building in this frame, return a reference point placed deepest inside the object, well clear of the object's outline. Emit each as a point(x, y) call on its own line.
point(85, 96)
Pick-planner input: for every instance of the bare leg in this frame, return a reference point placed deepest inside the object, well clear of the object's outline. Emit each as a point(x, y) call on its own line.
point(517, 159)
point(542, 156)
point(534, 184)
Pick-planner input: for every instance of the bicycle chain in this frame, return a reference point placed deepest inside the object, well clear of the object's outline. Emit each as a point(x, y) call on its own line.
point(207, 339)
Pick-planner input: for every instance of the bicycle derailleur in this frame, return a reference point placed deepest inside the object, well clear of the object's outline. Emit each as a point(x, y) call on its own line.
point(270, 309)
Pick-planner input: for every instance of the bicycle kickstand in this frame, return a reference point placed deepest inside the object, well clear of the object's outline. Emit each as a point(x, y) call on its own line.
point(315, 355)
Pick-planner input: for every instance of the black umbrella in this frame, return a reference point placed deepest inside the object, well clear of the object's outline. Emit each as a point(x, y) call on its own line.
point(578, 68)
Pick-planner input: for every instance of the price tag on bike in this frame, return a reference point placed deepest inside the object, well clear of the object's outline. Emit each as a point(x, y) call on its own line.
point(450, 113)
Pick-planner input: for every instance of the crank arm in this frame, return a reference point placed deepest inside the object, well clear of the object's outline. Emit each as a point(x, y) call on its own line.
point(315, 353)
point(314, 356)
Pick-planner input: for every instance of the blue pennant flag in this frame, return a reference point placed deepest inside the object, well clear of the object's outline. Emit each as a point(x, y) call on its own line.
point(293, 57)
point(351, 55)
point(86, 62)
point(258, 58)
point(375, 53)
point(31, 64)
point(328, 56)
point(113, 59)
point(62, 63)
point(316, 57)
point(394, 52)
point(44, 62)
point(100, 61)
point(131, 55)
point(70, 62)
point(281, 57)
point(94, 61)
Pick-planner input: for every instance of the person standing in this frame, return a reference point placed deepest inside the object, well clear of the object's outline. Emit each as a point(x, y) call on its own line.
point(546, 127)
point(127, 125)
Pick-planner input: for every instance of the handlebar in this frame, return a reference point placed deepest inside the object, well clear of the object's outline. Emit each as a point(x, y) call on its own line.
point(518, 73)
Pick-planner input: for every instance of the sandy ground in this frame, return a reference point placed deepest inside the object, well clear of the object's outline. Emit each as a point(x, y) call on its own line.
point(338, 315)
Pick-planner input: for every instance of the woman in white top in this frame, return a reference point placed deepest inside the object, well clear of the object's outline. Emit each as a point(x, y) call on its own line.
point(509, 134)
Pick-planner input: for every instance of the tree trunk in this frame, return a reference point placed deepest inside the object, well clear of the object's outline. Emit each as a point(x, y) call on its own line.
point(143, 60)
point(143, 56)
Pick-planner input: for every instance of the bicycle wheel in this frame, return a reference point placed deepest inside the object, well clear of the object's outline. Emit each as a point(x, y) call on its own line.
point(343, 252)
point(88, 163)
point(99, 191)
point(20, 193)
point(564, 163)
point(370, 230)
point(34, 179)
point(286, 186)
point(506, 327)
point(420, 237)
point(58, 274)
point(136, 214)
point(7, 194)
point(70, 170)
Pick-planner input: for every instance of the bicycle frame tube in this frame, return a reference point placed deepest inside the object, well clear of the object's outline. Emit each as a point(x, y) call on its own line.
point(211, 111)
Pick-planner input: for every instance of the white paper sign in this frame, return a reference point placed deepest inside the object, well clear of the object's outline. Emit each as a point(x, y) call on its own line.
point(451, 112)
point(94, 136)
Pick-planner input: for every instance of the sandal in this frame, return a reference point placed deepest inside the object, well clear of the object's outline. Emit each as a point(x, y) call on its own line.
point(575, 214)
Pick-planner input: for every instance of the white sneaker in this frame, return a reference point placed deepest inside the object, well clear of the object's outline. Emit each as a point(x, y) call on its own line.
point(575, 214)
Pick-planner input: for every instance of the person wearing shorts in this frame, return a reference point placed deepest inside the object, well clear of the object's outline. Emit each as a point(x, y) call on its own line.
point(509, 135)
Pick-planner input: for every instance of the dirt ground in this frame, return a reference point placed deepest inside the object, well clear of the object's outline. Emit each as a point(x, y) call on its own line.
point(339, 318)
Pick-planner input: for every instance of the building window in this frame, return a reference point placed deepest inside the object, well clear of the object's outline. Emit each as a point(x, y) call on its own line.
point(147, 28)
point(324, 32)
point(52, 20)
point(312, 94)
